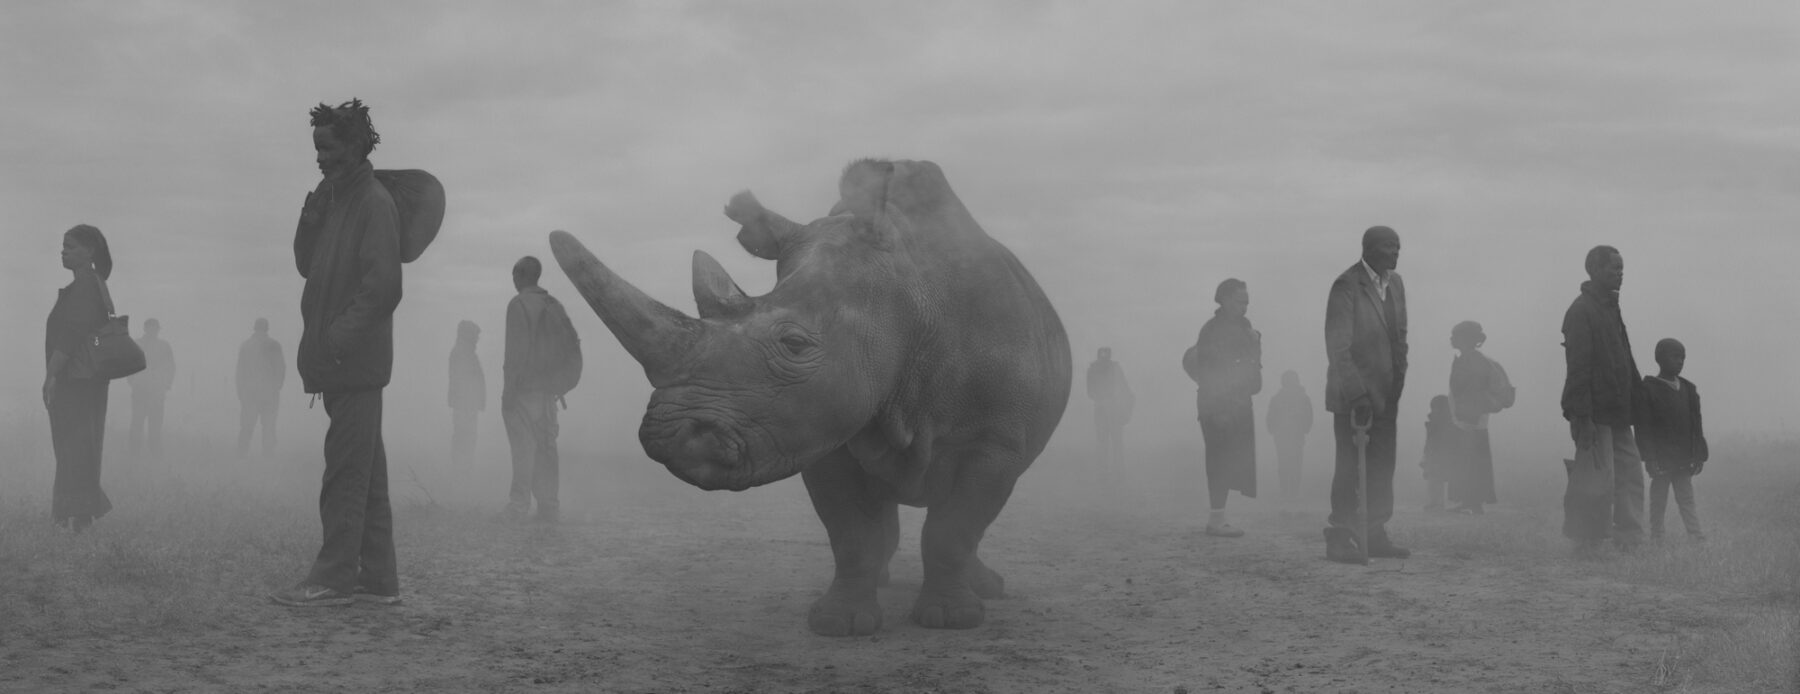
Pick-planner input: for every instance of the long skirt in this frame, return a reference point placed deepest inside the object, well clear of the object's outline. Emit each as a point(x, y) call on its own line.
point(1231, 449)
point(77, 432)
point(1473, 479)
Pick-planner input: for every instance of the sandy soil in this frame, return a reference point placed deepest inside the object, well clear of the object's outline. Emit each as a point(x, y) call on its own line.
point(708, 593)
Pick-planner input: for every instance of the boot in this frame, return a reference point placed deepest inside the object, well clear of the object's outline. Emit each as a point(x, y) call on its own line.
point(1340, 546)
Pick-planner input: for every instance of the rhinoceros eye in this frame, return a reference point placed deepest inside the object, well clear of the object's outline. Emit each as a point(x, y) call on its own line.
point(796, 345)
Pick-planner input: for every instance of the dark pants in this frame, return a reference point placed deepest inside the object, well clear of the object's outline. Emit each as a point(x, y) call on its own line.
point(1289, 452)
point(146, 421)
point(462, 438)
point(1380, 473)
point(249, 414)
point(531, 429)
point(353, 501)
point(77, 430)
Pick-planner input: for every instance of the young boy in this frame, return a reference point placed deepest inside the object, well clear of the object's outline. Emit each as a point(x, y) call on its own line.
point(1441, 447)
point(1670, 438)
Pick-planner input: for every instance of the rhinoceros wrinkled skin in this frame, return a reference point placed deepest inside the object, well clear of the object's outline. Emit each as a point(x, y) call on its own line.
point(903, 357)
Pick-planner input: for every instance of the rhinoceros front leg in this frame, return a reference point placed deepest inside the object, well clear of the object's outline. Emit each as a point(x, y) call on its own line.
point(864, 529)
point(955, 579)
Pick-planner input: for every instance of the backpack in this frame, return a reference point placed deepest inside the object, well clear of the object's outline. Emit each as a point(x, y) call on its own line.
point(1500, 388)
point(557, 349)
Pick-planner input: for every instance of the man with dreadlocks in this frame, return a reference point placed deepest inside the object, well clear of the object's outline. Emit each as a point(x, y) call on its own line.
point(348, 249)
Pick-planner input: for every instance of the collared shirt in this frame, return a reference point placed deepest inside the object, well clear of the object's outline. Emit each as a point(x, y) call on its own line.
point(1379, 278)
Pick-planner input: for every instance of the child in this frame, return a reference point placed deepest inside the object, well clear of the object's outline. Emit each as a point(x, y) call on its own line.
point(1440, 459)
point(1670, 438)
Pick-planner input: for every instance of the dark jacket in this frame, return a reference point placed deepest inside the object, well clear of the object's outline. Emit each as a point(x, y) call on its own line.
point(468, 383)
point(261, 369)
point(1669, 434)
point(525, 315)
point(348, 249)
point(1226, 366)
point(159, 366)
point(80, 310)
point(1365, 341)
point(1111, 393)
point(1290, 414)
point(1602, 377)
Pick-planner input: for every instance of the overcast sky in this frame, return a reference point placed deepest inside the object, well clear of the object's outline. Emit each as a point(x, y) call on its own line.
point(1133, 155)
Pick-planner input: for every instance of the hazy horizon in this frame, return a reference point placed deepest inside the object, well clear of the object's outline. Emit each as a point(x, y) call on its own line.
point(1133, 155)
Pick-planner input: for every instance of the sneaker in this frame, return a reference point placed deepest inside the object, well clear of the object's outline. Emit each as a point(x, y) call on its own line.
point(1223, 530)
point(1388, 550)
point(365, 595)
point(310, 595)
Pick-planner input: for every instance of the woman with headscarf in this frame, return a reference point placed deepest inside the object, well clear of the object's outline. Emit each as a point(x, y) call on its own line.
point(1478, 387)
point(76, 401)
point(1226, 365)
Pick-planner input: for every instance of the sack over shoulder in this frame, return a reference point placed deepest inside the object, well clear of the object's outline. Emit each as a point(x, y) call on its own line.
point(110, 353)
point(419, 199)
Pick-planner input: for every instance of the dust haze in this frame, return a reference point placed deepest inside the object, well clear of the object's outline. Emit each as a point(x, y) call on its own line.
point(1132, 155)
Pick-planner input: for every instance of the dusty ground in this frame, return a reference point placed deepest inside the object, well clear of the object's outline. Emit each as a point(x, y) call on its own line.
point(695, 592)
point(689, 599)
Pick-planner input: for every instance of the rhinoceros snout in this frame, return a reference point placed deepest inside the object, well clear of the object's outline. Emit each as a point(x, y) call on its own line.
point(699, 452)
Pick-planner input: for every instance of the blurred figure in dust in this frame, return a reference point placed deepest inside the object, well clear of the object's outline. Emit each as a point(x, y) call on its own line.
point(1674, 443)
point(149, 388)
point(468, 394)
point(1598, 391)
point(261, 371)
point(543, 362)
point(1226, 366)
point(1365, 342)
point(1289, 420)
point(1444, 443)
point(347, 246)
point(76, 401)
point(1478, 388)
point(1113, 403)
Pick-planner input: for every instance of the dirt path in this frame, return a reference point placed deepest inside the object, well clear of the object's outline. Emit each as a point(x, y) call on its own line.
point(708, 593)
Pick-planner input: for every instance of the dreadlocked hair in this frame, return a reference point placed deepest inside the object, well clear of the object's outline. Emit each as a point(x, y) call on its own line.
point(348, 121)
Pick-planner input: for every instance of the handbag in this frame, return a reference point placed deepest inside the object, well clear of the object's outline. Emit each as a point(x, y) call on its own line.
point(109, 353)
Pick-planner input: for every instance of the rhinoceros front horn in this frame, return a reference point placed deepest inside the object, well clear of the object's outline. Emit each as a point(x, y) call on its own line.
point(715, 294)
point(657, 336)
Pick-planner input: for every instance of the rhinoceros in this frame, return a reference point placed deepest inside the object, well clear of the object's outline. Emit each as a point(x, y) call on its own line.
point(903, 357)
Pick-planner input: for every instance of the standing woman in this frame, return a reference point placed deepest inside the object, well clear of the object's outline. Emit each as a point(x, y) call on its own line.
point(1478, 388)
point(1226, 365)
point(77, 405)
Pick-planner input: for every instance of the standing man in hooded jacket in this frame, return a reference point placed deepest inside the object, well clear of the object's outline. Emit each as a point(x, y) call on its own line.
point(347, 247)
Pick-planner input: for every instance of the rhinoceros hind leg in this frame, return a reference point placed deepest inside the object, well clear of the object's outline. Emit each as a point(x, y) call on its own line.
point(986, 582)
point(838, 613)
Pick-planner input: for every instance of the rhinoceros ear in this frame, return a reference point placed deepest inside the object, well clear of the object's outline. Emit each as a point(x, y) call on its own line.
point(715, 294)
point(764, 234)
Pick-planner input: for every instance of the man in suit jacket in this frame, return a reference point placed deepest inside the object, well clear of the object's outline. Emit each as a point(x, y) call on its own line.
point(1365, 340)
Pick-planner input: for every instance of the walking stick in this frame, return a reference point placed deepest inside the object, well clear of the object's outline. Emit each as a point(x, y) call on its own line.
point(1361, 438)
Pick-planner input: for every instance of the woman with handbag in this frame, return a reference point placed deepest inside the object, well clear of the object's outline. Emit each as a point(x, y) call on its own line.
point(75, 397)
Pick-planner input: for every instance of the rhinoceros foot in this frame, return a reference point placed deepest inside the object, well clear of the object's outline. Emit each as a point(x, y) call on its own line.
point(839, 613)
point(958, 608)
point(986, 582)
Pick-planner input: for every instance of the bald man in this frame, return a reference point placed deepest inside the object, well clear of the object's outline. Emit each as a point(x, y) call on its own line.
point(1365, 340)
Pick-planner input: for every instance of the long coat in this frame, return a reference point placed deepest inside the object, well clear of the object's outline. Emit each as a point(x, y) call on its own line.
point(1226, 366)
point(1365, 340)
